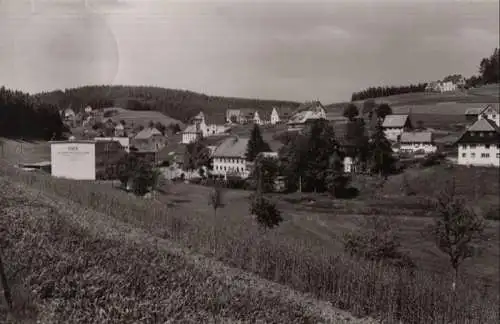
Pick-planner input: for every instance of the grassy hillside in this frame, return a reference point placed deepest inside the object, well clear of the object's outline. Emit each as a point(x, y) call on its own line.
point(138, 117)
point(305, 252)
point(178, 104)
point(74, 265)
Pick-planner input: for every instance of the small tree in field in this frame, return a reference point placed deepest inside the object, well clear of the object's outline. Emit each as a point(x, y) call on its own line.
point(456, 227)
point(351, 111)
point(215, 200)
point(266, 213)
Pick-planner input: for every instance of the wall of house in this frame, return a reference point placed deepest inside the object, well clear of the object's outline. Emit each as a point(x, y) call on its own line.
point(392, 134)
point(275, 118)
point(414, 147)
point(190, 137)
point(479, 155)
point(348, 164)
point(213, 129)
point(73, 160)
point(223, 165)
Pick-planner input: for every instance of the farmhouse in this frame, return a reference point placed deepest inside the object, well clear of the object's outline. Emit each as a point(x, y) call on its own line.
point(479, 145)
point(307, 112)
point(83, 160)
point(229, 158)
point(149, 139)
point(441, 87)
point(395, 125)
point(240, 116)
point(417, 142)
point(280, 114)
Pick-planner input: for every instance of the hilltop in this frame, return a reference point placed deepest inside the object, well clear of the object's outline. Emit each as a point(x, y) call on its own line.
point(177, 104)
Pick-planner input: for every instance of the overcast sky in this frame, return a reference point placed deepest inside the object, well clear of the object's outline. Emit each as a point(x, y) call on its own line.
point(276, 49)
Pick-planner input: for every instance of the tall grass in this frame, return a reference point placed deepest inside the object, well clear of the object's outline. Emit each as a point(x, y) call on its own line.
point(364, 288)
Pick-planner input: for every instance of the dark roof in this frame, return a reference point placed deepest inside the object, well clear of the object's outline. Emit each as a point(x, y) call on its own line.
point(480, 127)
point(233, 146)
point(284, 112)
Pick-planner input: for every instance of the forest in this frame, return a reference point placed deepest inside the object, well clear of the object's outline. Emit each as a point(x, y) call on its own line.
point(178, 104)
point(25, 117)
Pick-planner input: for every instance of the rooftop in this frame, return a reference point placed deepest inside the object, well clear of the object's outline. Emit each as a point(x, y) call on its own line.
point(395, 121)
point(416, 137)
point(484, 125)
point(147, 133)
point(232, 147)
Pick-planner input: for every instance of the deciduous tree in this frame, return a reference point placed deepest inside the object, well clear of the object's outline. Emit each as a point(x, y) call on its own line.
point(381, 159)
point(351, 111)
point(383, 110)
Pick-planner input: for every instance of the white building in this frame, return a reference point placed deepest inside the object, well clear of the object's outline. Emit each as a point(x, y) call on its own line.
point(88, 110)
point(73, 159)
point(395, 125)
point(279, 115)
point(479, 145)
point(417, 142)
point(275, 117)
point(202, 127)
point(124, 141)
point(229, 158)
point(447, 86)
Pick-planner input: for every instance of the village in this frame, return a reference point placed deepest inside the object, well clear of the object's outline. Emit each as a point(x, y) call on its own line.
point(227, 138)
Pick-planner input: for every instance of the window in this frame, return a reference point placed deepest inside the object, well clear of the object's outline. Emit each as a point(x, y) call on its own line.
point(487, 146)
point(473, 146)
point(493, 116)
point(473, 155)
point(498, 155)
point(485, 155)
point(481, 134)
point(464, 155)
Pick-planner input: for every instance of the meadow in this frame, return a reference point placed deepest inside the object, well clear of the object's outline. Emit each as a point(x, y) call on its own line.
point(66, 264)
point(141, 117)
point(305, 252)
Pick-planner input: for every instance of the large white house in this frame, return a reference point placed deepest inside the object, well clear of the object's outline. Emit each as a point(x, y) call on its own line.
point(416, 142)
point(395, 125)
point(229, 158)
point(479, 145)
point(441, 87)
point(202, 127)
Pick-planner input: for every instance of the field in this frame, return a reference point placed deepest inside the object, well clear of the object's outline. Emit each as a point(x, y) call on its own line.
point(16, 151)
point(142, 117)
point(305, 252)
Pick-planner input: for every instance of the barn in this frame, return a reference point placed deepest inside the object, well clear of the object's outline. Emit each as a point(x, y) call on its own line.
point(84, 159)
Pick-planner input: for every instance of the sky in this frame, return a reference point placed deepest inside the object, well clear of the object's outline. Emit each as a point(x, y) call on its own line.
point(275, 49)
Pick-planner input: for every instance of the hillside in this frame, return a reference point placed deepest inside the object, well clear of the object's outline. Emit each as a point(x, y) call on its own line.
point(178, 104)
point(74, 265)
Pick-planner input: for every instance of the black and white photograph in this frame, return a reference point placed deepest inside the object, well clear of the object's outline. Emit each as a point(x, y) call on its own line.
point(250, 161)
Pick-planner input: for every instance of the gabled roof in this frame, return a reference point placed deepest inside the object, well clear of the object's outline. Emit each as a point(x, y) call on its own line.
point(311, 105)
point(395, 121)
point(483, 125)
point(233, 146)
point(416, 137)
point(147, 133)
point(284, 111)
point(191, 129)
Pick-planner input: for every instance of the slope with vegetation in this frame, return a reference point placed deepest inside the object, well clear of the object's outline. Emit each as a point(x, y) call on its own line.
point(178, 104)
point(68, 264)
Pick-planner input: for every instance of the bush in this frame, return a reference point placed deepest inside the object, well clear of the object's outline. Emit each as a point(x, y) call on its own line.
point(432, 159)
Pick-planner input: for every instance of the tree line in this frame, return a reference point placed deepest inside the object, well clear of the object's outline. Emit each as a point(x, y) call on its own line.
point(25, 117)
point(489, 69)
point(179, 104)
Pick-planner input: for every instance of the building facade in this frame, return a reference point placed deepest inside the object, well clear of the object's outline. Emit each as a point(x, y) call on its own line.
point(229, 158)
point(479, 145)
point(395, 125)
point(417, 142)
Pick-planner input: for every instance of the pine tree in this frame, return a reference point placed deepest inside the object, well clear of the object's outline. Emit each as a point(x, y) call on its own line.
point(381, 159)
point(256, 144)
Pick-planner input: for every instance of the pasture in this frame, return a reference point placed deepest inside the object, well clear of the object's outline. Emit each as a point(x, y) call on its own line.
point(141, 117)
point(305, 252)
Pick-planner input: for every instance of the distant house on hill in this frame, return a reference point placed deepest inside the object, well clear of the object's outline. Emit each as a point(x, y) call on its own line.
point(415, 142)
point(229, 158)
point(479, 145)
point(149, 139)
point(307, 112)
point(441, 87)
point(202, 126)
point(88, 110)
point(280, 114)
point(240, 116)
point(395, 125)
point(491, 112)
